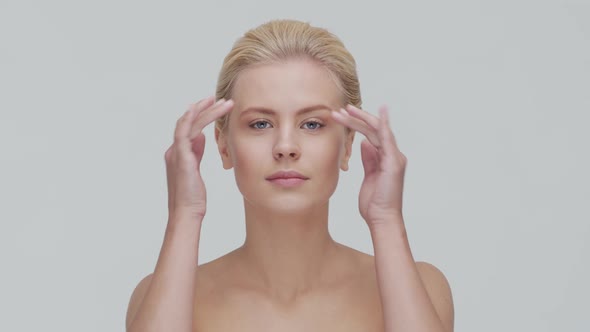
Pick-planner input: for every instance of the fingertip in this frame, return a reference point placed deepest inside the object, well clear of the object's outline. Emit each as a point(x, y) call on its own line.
point(351, 107)
point(227, 106)
point(384, 113)
point(206, 101)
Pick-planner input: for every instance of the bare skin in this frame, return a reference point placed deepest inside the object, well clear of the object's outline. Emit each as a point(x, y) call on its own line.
point(346, 299)
point(227, 300)
point(290, 275)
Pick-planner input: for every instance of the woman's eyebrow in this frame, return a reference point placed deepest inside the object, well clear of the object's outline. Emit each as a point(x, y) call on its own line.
point(272, 112)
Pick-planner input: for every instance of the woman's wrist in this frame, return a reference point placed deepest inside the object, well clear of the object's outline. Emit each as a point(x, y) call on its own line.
point(182, 218)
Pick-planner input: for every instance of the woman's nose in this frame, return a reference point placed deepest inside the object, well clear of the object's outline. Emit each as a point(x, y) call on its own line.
point(293, 155)
point(287, 147)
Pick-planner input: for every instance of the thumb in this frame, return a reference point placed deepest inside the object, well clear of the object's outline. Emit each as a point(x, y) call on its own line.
point(198, 147)
point(369, 156)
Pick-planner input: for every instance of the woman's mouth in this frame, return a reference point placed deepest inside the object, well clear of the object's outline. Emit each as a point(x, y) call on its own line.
point(287, 178)
point(288, 182)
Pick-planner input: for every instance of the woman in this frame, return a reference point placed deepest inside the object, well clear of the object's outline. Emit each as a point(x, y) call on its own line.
point(288, 106)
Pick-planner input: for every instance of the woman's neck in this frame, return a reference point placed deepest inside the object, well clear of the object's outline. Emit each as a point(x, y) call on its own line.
point(288, 255)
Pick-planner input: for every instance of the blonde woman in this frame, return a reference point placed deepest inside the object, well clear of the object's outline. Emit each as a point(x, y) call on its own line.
point(288, 106)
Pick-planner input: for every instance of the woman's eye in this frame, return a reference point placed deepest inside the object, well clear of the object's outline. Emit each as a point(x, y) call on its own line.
point(255, 125)
point(261, 124)
point(316, 125)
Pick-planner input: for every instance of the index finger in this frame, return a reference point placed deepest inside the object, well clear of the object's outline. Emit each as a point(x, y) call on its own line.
point(219, 109)
point(183, 124)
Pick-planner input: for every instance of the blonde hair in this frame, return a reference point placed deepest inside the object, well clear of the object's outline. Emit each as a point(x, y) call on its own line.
point(280, 40)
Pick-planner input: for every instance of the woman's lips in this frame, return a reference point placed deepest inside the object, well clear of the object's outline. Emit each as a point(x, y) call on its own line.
point(287, 182)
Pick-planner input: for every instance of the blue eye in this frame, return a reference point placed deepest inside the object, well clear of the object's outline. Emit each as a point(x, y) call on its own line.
point(255, 124)
point(316, 124)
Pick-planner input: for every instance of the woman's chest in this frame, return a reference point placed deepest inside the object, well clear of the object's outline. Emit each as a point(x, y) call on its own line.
point(358, 310)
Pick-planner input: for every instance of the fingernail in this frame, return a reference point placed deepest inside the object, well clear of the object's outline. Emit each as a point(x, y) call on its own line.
point(219, 101)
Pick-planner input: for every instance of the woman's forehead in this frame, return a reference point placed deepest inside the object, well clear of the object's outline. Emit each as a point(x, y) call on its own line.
point(285, 87)
point(285, 79)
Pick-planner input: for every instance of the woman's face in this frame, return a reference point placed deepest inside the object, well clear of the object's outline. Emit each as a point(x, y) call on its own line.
point(267, 133)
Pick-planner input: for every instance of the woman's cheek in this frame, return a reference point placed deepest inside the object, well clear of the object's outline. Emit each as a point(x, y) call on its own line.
point(325, 150)
point(247, 158)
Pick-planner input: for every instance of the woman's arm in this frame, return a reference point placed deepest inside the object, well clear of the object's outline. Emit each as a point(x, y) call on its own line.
point(415, 297)
point(164, 301)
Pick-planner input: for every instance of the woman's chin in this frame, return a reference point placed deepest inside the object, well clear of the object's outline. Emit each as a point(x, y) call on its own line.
point(289, 205)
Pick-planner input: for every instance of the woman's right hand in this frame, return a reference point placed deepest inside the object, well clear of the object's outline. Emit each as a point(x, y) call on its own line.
point(186, 190)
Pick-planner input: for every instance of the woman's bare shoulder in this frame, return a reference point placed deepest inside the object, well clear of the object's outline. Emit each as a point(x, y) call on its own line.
point(136, 298)
point(215, 278)
point(439, 291)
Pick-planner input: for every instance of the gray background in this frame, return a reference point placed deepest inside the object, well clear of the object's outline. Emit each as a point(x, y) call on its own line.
point(489, 102)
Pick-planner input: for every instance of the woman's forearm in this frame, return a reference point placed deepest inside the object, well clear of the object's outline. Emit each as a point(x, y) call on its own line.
point(405, 301)
point(169, 301)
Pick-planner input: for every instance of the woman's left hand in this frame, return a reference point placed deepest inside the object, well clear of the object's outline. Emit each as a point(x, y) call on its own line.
point(380, 199)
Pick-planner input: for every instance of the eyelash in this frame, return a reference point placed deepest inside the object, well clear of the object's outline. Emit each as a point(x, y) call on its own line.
point(319, 124)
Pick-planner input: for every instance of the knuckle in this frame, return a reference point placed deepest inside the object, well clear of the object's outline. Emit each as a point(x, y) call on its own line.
point(177, 137)
point(403, 161)
point(183, 118)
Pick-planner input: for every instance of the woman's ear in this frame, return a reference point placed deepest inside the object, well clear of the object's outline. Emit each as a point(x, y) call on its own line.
point(347, 150)
point(222, 146)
